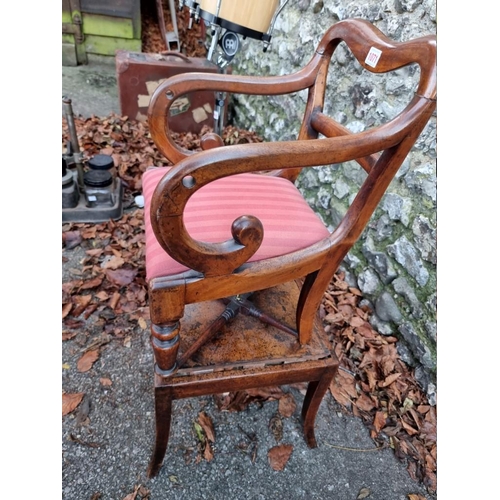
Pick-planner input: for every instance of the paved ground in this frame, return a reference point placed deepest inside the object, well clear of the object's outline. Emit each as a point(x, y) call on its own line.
point(105, 455)
point(108, 454)
point(92, 89)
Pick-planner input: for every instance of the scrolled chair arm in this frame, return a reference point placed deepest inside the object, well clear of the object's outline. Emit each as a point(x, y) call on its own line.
point(171, 89)
point(191, 174)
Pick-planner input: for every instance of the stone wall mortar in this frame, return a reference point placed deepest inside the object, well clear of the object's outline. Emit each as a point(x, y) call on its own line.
point(394, 262)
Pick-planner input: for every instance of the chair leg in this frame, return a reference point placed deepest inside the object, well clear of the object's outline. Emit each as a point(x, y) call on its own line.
point(163, 413)
point(314, 395)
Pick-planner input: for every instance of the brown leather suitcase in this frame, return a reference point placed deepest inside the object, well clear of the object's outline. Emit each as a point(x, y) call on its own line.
point(139, 74)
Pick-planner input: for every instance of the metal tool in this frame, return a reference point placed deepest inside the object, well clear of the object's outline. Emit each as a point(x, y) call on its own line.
point(91, 192)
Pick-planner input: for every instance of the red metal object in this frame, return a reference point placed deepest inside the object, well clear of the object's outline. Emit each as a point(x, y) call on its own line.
point(138, 75)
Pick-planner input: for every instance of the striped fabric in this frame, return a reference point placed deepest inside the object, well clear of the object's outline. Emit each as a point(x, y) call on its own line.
point(289, 223)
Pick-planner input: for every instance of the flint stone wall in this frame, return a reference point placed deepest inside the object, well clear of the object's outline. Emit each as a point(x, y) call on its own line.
point(394, 262)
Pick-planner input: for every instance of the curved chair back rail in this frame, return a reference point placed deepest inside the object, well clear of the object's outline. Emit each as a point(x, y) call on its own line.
point(359, 35)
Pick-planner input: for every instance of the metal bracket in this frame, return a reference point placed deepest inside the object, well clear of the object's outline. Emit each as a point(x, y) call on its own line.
point(76, 26)
point(170, 37)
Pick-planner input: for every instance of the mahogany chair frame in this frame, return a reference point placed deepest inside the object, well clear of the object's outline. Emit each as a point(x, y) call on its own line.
point(218, 270)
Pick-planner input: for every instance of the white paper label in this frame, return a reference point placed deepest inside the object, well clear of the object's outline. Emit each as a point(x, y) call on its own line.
point(373, 57)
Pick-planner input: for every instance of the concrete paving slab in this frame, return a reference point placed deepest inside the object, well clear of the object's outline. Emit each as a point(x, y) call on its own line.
point(92, 89)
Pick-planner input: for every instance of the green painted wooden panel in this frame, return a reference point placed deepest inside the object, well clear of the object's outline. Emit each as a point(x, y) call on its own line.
point(122, 9)
point(119, 27)
point(107, 46)
point(66, 17)
point(68, 38)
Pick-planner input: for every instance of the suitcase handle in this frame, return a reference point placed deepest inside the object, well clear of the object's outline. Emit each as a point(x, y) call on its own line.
point(176, 54)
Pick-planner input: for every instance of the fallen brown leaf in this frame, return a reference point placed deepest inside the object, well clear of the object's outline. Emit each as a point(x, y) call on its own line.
point(339, 395)
point(133, 495)
point(379, 421)
point(121, 277)
point(72, 239)
point(389, 380)
point(343, 388)
point(239, 400)
point(372, 381)
point(107, 151)
point(387, 360)
point(71, 401)
point(87, 360)
point(208, 453)
point(266, 393)
point(66, 308)
point(278, 456)
point(337, 317)
point(89, 232)
point(144, 492)
point(207, 425)
point(429, 431)
point(409, 429)
point(93, 283)
point(430, 480)
point(356, 321)
point(102, 295)
point(113, 302)
point(365, 403)
point(113, 262)
point(81, 302)
point(287, 405)
point(67, 335)
point(367, 331)
point(94, 252)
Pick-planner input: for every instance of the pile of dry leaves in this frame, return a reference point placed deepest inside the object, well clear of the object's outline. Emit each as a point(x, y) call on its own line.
point(107, 292)
point(377, 386)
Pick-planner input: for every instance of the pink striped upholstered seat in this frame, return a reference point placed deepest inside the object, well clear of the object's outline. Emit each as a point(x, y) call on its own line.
point(289, 223)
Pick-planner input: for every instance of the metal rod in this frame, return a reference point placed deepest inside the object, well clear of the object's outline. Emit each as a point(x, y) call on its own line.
point(271, 25)
point(215, 39)
point(276, 14)
point(68, 111)
point(217, 13)
point(174, 22)
point(220, 107)
point(77, 155)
